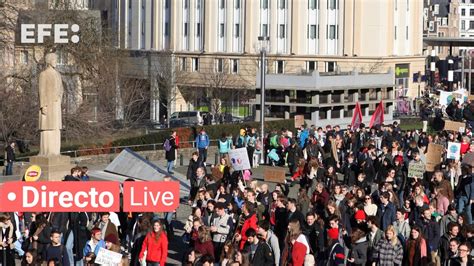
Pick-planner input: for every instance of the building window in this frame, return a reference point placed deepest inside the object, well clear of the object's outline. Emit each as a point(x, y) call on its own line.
point(312, 4)
point(431, 26)
point(280, 67)
point(396, 5)
point(222, 4)
point(198, 4)
point(463, 12)
point(312, 32)
point(167, 28)
point(198, 29)
point(195, 64)
point(220, 65)
point(471, 24)
point(167, 3)
point(282, 31)
point(282, 4)
point(237, 4)
point(332, 4)
point(332, 32)
point(183, 64)
point(61, 57)
point(463, 24)
point(264, 4)
point(235, 66)
point(221, 30)
point(24, 57)
point(395, 32)
point(408, 5)
point(185, 29)
point(436, 9)
point(406, 33)
point(237, 30)
point(330, 66)
point(265, 30)
point(310, 66)
point(186, 4)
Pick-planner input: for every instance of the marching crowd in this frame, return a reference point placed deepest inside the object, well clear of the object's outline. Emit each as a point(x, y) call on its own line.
point(357, 203)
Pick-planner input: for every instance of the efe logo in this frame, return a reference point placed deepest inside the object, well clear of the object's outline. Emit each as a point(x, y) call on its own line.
point(28, 32)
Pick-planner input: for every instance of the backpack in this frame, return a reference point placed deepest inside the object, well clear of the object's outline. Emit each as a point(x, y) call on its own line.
point(167, 145)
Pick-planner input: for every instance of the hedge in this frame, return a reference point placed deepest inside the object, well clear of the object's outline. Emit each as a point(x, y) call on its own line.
point(189, 134)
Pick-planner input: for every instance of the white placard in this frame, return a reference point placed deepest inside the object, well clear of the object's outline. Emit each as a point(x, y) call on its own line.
point(239, 159)
point(454, 150)
point(107, 257)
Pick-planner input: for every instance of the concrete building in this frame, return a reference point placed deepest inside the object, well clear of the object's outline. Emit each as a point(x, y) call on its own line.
point(328, 98)
point(214, 36)
point(443, 18)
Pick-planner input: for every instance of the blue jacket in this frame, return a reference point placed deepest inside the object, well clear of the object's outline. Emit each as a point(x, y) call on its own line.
point(303, 137)
point(88, 249)
point(430, 230)
point(202, 141)
point(387, 215)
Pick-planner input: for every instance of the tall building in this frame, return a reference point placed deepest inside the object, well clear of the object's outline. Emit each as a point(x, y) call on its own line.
point(444, 18)
point(213, 36)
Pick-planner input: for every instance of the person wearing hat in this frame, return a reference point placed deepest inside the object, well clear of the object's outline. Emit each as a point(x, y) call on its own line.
point(93, 245)
point(112, 243)
point(221, 226)
point(335, 250)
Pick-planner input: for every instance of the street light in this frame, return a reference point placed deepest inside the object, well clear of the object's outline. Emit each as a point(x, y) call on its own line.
point(263, 51)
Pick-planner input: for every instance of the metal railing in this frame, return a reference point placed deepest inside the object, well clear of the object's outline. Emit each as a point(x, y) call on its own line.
point(118, 149)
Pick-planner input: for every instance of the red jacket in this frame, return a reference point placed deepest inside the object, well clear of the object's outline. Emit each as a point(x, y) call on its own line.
point(250, 222)
point(298, 253)
point(157, 251)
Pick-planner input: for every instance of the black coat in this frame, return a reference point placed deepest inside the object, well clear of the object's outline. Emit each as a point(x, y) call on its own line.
point(359, 253)
point(77, 225)
point(10, 154)
point(263, 255)
point(192, 168)
point(171, 154)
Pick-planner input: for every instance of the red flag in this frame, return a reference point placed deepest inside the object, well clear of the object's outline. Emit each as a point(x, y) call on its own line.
point(356, 117)
point(377, 117)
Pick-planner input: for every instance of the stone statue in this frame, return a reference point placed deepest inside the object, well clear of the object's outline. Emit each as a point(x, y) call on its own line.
point(50, 98)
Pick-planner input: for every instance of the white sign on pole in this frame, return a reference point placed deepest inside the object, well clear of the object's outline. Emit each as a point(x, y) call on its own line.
point(454, 150)
point(239, 159)
point(107, 257)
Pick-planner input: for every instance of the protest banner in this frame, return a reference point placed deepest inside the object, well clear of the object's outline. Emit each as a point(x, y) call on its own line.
point(274, 174)
point(454, 126)
point(107, 257)
point(454, 150)
point(416, 169)
point(299, 121)
point(434, 156)
point(239, 159)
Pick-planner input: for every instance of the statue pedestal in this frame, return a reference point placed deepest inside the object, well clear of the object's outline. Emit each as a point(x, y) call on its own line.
point(53, 168)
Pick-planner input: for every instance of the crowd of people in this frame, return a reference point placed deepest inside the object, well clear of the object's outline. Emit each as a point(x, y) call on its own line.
point(356, 203)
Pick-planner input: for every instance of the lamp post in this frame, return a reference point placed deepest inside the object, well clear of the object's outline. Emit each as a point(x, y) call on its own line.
point(263, 52)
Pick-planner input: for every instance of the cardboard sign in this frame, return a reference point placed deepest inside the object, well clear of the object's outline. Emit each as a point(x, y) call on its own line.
point(299, 121)
point(454, 126)
point(434, 156)
point(216, 173)
point(33, 173)
point(239, 159)
point(416, 169)
point(107, 257)
point(274, 174)
point(454, 150)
